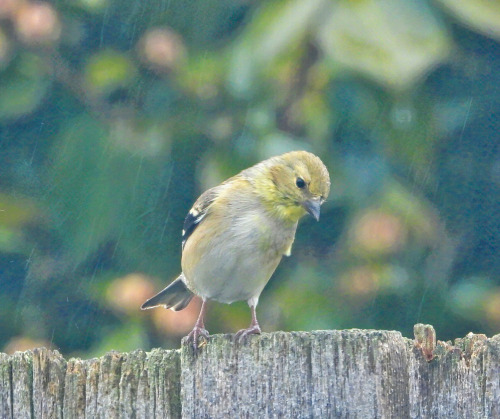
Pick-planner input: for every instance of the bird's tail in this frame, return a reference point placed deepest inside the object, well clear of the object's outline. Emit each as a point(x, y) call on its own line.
point(176, 296)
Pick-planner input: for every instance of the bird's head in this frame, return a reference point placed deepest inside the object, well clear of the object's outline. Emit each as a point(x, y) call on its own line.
point(294, 184)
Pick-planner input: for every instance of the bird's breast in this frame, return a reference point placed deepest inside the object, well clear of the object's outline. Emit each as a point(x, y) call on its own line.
point(236, 260)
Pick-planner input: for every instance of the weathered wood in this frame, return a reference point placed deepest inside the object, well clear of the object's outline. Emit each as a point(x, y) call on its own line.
point(5, 386)
point(41, 384)
point(22, 385)
point(350, 373)
point(49, 370)
point(74, 404)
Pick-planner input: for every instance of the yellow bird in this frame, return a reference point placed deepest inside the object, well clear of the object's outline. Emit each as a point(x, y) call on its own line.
point(237, 232)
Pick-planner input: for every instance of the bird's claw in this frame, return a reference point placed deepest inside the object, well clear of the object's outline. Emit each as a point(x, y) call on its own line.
point(243, 333)
point(195, 334)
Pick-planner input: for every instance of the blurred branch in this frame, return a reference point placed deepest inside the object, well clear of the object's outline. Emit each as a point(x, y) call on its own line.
point(298, 86)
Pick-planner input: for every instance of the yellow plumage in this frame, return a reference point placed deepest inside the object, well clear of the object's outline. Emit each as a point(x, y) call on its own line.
point(236, 233)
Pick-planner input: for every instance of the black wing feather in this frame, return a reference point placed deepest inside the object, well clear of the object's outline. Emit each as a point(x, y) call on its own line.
point(198, 212)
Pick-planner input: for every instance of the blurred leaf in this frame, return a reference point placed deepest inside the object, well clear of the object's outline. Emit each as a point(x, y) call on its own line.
point(411, 137)
point(467, 297)
point(101, 187)
point(416, 212)
point(143, 138)
point(202, 75)
point(23, 86)
point(277, 29)
point(393, 42)
point(108, 70)
point(15, 211)
point(482, 15)
point(93, 6)
point(5, 49)
point(11, 240)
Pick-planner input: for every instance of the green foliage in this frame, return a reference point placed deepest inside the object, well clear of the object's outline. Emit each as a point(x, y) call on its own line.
point(24, 85)
point(116, 115)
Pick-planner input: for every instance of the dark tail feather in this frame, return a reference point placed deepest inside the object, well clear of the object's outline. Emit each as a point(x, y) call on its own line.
point(176, 296)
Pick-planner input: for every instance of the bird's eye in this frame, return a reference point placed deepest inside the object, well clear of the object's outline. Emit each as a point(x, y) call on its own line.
point(300, 183)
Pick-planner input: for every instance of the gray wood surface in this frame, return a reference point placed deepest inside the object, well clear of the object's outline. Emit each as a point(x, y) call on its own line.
point(349, 373)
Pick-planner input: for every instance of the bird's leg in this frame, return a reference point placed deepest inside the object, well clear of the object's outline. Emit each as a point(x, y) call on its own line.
point(253, 329)
point(198, 329)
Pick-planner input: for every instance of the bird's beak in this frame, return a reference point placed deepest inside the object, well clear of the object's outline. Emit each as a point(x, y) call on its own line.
point(312, 206)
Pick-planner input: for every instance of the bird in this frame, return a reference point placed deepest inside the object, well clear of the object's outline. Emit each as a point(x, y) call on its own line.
point(236, 234)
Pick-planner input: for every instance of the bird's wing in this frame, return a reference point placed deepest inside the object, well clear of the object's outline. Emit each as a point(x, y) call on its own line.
point(198, 212)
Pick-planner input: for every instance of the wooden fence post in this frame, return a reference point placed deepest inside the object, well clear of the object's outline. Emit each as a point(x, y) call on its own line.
point(348, 373)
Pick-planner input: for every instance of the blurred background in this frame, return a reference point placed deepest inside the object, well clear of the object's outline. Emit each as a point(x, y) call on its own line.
point(116, 114)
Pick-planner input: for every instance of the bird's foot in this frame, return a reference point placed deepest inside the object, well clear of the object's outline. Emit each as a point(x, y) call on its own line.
point(195, 334)
point(243, 333)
